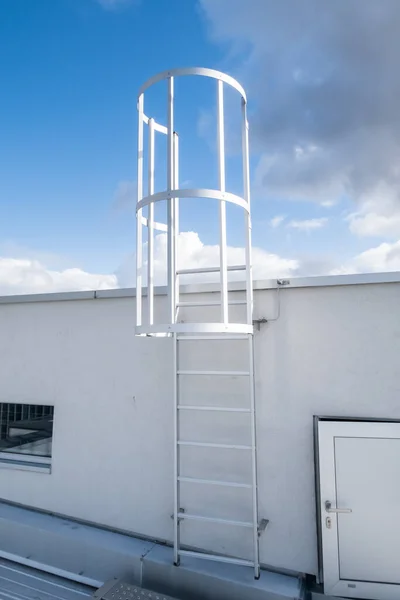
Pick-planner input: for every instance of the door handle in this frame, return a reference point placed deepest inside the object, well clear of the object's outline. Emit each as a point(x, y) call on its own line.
point(329, 509)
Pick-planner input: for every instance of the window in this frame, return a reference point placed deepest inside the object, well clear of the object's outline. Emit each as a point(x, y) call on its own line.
point(26, 436)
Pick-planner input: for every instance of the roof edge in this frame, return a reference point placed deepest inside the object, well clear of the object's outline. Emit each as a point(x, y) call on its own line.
point(267, 284)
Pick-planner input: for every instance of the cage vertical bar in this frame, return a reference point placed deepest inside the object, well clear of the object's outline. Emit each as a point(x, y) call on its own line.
point(139, 240)
point(222, 204)
point(247, 218)
point(150, 225)
point(176, 214)
point(171, 242)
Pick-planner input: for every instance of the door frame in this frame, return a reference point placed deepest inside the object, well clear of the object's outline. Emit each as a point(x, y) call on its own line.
point(325, 430)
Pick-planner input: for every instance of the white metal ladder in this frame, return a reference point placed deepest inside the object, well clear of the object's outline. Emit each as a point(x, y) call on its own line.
point(199, 330)
point(180, 514)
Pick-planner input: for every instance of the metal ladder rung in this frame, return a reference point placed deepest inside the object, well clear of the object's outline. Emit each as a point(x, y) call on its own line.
point(228, 373)
point(215, 557)
point(183, 515)
point(223, 336)
point(210, 303)
point(214, 482)
point(209, 270)
point(213, 445)
point(215, 408)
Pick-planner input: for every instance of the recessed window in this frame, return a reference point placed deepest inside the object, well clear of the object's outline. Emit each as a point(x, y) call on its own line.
point(26, 436)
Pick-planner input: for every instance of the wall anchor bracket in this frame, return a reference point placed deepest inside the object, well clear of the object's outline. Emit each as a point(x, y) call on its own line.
point(258, 322)
point(262, 526)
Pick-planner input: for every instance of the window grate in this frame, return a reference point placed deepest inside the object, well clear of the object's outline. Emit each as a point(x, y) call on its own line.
point(26, 429)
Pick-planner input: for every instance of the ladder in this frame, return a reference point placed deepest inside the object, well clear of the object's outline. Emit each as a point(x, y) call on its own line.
point(198, 329)
point(180, 443)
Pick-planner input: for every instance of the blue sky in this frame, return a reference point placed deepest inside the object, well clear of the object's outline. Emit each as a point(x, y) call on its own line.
point(70, 73)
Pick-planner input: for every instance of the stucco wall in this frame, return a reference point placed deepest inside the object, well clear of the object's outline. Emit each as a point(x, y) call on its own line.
point(333, 351)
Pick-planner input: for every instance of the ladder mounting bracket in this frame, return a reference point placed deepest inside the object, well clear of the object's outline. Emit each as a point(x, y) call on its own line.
point(181, 510)
point(258, 322)
point(262, 526)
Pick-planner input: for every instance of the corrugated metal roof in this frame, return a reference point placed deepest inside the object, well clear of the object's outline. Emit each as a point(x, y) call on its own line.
point(22, 583)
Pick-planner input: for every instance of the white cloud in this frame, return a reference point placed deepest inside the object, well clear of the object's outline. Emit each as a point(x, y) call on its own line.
point(299, 173)
point(325, 131)
point(328, 203)
point(308, 224)
point(378, 215)
point(382, 258)
point(193, 253)
point(373, 224)
point(28, 276)
point(276, 221)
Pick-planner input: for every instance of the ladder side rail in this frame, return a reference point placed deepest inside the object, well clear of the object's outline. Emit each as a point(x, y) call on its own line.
point(249, 295)
point(256, 548)
point(176, 450)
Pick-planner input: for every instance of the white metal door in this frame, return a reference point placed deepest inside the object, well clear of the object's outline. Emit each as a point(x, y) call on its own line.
point(359, 477)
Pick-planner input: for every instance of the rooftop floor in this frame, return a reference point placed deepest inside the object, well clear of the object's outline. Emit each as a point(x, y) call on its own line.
point(84, 554)
point(18, 582)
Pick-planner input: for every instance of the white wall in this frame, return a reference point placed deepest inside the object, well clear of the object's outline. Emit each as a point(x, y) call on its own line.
point(333, 351)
